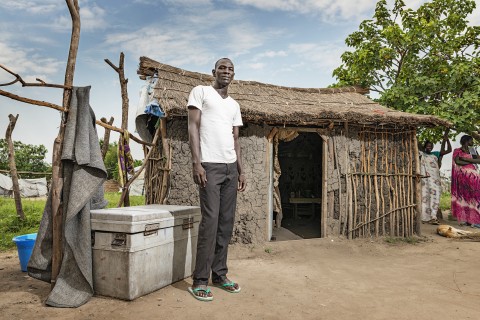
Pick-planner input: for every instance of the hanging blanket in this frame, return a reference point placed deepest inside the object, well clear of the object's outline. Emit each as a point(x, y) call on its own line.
point(83, 176)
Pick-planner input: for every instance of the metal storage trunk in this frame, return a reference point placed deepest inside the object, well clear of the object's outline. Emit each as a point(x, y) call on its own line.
point(137, 250)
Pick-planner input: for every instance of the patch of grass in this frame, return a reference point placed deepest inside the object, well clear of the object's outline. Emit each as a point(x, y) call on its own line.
point(407, 240)
point(445, 201)
point(114, 197)
point(268, 250)
point(11, 226)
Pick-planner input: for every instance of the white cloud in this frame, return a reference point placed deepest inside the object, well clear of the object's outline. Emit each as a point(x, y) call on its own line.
point(271, 54)
point(92, 18)
point(27, 64)
point(327, 9)
point(31, 6)
point(256, 65)
point(190, 38)
point(164, 45)
point(175, 2)
point(323, 56)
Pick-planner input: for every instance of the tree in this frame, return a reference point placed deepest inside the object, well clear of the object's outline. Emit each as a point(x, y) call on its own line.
point(28, 157)
point(424, 61)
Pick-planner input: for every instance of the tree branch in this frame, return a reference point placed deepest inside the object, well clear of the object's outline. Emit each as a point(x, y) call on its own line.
point(18, 78)
point(110, 127)
point(31, 101)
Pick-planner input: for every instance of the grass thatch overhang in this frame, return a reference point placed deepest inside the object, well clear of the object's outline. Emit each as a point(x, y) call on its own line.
point(262, 103)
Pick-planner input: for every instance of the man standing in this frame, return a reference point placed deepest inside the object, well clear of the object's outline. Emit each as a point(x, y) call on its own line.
point(213, 127)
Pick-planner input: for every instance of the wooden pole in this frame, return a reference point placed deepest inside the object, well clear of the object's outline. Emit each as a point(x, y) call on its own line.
point(123, 89)
point(382, 191)
point(364, 168)
point(375, 183)
point(166, 160)
point(106, 137)
point(369, 146)
point(323, 218)
point(57, 175)
point(348, 186)
point(13, 166)
point(418, 187)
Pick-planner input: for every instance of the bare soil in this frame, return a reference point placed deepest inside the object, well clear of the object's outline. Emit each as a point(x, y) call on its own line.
point(333, 278)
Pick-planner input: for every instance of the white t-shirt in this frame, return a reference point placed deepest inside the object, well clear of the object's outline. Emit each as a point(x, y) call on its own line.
point(219, 116)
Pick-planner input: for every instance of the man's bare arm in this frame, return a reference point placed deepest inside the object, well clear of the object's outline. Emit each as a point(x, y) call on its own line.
point(194, 117)
point(242, 182)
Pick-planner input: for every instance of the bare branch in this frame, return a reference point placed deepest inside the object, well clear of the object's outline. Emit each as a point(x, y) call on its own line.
point(31, 101)
point(18, 78)
point(134, 138)
point(112, 65)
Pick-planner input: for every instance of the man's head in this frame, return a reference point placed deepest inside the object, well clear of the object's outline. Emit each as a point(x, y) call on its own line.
point(224, 72)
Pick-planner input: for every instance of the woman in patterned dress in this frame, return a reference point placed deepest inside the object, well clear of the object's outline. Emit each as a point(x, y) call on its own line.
point(431, 183)
point(466, 184)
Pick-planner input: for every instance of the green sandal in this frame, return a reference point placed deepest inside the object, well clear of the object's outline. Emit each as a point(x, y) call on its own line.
point(225, 286)
point(196, 290)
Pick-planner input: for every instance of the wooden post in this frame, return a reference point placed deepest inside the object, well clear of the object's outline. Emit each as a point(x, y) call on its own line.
point(13, 166)
point(123, 88)
point(323, 216)
point(348, 185)
point(166, 160)
point(57, 175)
point(106, 137)
point(418, 186)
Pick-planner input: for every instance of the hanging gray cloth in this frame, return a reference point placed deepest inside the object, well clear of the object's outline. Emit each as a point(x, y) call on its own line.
point(83, 176)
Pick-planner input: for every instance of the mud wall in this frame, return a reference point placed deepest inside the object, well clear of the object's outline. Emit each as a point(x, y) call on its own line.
point(252, 204)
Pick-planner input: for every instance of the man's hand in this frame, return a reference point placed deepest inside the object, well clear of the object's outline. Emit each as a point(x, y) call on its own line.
point(242, 183)
point(199, 175)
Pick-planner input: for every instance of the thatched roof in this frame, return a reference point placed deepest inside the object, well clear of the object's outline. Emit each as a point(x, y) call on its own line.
point(276, 105)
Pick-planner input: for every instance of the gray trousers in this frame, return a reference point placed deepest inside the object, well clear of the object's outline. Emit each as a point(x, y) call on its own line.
point(217, 202)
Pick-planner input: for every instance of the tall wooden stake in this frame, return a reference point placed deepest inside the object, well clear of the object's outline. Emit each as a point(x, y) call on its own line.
point(13, 166)
point(57, 174)
point(418, 187)
point(123, 88)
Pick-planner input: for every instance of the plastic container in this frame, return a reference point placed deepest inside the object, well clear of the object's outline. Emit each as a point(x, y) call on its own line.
point(25, 245)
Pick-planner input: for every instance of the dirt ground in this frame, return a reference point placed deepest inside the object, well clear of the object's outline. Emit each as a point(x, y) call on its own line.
point(329, 278)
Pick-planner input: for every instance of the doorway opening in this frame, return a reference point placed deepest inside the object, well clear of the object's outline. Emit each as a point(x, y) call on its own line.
point(300, 184)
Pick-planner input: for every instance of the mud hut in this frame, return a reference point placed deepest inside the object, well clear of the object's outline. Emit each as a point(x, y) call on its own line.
point(319, 162)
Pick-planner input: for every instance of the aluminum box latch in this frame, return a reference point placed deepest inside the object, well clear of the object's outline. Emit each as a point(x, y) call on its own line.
point(187, 223)
point(119, 239)
point(151, 229)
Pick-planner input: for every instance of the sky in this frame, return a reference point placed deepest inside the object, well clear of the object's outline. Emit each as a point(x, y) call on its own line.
point(294, 43)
